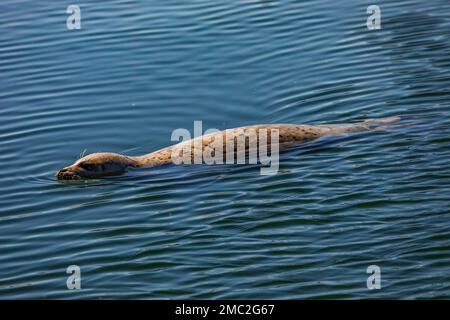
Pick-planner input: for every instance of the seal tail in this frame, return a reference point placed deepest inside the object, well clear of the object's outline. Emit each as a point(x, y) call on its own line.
point(366, 125)
point(382, 120)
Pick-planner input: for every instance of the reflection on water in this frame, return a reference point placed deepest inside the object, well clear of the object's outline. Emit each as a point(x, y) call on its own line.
point(137, 71)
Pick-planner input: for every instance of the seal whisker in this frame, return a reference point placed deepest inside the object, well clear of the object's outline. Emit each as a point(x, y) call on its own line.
point(82, 154)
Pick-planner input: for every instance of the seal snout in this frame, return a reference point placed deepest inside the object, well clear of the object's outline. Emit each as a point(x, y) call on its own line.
point(67, 174)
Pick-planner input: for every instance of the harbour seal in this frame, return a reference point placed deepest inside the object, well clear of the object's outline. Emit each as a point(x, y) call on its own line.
point(105, 163)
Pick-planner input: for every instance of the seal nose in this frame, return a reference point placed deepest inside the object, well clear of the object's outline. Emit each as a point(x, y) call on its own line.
point(65, 173)
point(60, 174)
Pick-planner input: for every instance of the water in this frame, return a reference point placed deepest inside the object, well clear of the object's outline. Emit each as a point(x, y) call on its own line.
point(138, 70)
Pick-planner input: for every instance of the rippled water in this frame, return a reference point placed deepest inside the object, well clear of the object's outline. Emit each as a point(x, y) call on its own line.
point(138, 70)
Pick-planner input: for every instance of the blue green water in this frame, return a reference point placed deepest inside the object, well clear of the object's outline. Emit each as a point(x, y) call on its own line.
point(137, 70)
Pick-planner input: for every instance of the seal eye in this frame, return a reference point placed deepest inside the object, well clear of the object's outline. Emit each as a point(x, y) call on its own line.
point(88, 167)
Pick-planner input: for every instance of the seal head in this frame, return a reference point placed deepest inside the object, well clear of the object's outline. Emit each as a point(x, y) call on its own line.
point(97, 165)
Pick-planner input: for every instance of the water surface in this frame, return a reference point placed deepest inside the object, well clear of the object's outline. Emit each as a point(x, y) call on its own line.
point(138, 70)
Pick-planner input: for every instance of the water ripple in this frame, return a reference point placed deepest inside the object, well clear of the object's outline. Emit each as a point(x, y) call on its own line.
point(137, 71)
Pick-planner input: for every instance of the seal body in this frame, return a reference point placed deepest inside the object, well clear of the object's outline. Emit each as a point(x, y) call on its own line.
point(288, 135)
point(230, 141)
